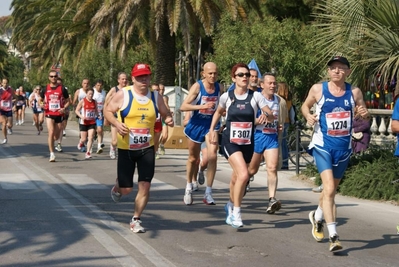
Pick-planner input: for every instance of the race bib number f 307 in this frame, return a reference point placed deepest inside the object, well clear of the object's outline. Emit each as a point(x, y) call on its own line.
point(241, 133)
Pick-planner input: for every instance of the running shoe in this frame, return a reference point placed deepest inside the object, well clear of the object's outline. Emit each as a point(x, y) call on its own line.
point(135, 226)
point(58, 147)
point(195, 186)
point(234, 221)
point(34, 123)
point(201, 177)
point(274, 205)
point(88, 155)
point(318, 189)
point(63, 133)
point(335, 244)
point(99, 150)
point(4, 141)
point(52, 157)
point(188, 198)
point(38, 133)
point(162, 147)
point(21, 122)
point(112, 154)
point(208, 199)
point(115, 195)
point(41, 128)
point(17, 123)
point(156, 155)
point(317, 227)
point(9, 131)
point(228, 211)
point(80, 146)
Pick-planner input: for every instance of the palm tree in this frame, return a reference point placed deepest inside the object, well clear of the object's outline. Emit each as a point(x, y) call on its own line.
point(3, 56)
point(161, 20)
point(364, 31)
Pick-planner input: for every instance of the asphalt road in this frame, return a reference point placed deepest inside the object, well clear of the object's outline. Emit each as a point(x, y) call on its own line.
point(61, 214)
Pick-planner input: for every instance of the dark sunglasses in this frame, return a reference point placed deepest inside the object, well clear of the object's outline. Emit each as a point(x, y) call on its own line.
point(53, 76)
point(240, 74)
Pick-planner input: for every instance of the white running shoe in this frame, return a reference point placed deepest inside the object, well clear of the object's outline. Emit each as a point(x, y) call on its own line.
point(115, 195)
point(236, 221)
point(112, 154)
point(88, 155)
point(135, 226)
point(188, 198)
point(208, 199)
point(52, 157)
point(9, 131)
point(63, 133)
point(4, 141)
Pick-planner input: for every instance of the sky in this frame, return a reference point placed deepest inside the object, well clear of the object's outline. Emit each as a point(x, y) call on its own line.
point(5, 7)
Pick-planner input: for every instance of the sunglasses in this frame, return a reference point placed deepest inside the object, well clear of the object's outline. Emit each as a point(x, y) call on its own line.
point(53, 76)
point(240, 74)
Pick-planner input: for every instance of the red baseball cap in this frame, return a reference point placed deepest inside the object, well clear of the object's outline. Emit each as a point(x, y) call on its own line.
point(141, 69)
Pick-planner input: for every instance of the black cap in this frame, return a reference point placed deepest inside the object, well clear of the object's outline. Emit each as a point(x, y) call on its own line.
point(343, 60)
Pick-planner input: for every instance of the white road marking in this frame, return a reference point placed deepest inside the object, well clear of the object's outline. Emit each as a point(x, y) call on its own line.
point(16, 181)
point(102, 237)
point(81, 181)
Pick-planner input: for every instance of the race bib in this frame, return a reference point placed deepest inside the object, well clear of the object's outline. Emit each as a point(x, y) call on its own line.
point(241, 133)
point(338, 123)
point(139, 138)
point(90, 114)
point(205, 100)
point(270, 128)
point(54, 105)
point(100, 106)
point(5, 104)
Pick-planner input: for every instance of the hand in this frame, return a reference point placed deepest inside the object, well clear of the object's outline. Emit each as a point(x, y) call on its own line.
point(311, 119)
point(262, 119)
point(213, 137)
point(169, 121)
point(122, 129)
point(209, 105)
point(362, 111)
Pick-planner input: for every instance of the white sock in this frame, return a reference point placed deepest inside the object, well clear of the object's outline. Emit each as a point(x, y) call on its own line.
point(208, 190)
point(189, 186)
point(236, 211)
point(332, 229)
point(318, 216)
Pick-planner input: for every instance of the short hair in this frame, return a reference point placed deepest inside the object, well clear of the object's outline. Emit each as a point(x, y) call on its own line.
point(99, 81)
point(236, 66)
point(121, 73)
point(268, 74)
point(90, 89)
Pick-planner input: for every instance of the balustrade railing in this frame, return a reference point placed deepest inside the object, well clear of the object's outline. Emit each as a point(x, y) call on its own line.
point(381, 132)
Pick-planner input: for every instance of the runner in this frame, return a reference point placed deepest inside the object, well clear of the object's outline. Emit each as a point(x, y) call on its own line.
point(36, 102)
point(241, 106)
point(56, 101)
point(99, 97)
point(24, 94)
point(64, 121)
point(202, 99)
point(266, 141)
point(158, 125)
point(79, 95)
point(164, 135)
point(331, 142)
point(122, 82)
point(6, 97)
point(87, 112)
point(19, 102)
point(136, 107)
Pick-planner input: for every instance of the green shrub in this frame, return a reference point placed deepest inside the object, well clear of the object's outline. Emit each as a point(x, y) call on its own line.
point(369, 175)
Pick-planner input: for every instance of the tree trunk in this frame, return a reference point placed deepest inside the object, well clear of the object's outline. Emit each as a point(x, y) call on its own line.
point(165, 71)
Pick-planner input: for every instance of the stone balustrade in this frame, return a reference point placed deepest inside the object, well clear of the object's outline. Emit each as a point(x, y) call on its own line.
point(381, 132)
